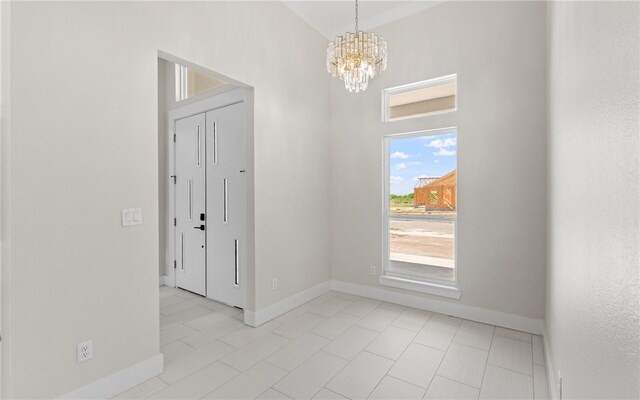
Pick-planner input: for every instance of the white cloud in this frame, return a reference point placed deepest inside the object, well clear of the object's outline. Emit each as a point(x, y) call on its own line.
point(439, 143)
point(395, 179)
point(401, 166)
point(436, 161)
point(415, 163)
point(399, 154)
point(444, 152)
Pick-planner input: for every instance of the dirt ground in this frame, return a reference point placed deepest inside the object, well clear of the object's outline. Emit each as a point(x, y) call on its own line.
point(422, 238)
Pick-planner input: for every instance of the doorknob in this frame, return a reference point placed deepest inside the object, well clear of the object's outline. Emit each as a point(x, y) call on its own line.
point(201, 227)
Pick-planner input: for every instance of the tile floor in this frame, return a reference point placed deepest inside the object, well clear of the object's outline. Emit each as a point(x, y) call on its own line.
point(338, 346)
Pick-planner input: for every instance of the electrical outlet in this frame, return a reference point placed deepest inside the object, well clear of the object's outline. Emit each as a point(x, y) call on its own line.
point(85, 351)
point(274, 284)
point(372, 270)
point(559, 386)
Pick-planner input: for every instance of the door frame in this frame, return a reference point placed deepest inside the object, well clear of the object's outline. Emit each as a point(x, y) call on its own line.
point(219, 98)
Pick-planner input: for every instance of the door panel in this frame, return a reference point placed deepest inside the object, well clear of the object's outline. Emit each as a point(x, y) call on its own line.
point(226, 204)
point(190, 204)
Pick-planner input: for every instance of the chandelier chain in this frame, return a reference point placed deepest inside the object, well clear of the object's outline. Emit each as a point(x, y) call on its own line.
point(356, 16)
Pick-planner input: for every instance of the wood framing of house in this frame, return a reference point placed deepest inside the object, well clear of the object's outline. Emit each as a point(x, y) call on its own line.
point(436, 193)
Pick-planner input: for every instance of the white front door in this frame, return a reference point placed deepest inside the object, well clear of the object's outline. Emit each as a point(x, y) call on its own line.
point(226, 205)
point(190, 204)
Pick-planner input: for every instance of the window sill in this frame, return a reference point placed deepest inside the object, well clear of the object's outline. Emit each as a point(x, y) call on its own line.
point(420, 286)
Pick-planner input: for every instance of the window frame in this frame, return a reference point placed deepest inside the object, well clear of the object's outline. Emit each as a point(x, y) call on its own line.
point(387, 93)
point(181, 82)
point(440, 287)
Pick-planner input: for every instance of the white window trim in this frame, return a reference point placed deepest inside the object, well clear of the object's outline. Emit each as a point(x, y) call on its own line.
point(451, 292)
point(433, 286)
point(181, 81)
point(386, 96)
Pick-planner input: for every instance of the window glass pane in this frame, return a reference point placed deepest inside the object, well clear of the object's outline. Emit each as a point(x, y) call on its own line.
point(422, 205)
point(422, 175)
point(191, 83)
point(422, 247)
point(421, 98)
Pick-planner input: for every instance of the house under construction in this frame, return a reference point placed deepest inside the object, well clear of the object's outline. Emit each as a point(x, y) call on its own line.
point(436, 193)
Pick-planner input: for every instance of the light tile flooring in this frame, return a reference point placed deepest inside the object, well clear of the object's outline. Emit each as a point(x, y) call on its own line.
point(338, 346)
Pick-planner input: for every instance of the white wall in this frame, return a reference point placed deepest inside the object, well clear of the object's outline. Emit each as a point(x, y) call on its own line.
point(84, 144)
point(592, 287)
point(498, 51)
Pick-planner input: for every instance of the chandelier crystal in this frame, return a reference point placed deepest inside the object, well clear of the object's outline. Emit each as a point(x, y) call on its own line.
point(356, 57)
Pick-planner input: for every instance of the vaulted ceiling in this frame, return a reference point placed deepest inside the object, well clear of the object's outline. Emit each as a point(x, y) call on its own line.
point(332, 18)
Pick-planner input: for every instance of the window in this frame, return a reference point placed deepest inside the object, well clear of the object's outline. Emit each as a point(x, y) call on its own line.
point(191, 83)
point(419, 99)
point(421, 210)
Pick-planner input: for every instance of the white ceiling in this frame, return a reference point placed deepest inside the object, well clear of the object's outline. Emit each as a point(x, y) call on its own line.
point(332, 18)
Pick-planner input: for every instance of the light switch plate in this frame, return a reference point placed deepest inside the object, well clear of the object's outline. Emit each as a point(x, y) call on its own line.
point(131, 216)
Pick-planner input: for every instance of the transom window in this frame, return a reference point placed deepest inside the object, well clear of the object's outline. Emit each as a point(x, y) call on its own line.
point(190, 82)
point(433, 96)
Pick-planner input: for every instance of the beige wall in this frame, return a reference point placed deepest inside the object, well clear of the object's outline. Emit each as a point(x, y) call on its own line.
point(84, 144)
point(594, 117)
point(498, 51)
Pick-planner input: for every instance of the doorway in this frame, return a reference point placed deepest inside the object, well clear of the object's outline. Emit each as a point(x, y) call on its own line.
point(206, 188)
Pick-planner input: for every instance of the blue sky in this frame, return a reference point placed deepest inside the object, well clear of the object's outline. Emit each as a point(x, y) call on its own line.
point(415, 157)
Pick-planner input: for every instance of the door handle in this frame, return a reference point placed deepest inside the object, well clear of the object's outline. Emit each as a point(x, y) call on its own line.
point(201, 227)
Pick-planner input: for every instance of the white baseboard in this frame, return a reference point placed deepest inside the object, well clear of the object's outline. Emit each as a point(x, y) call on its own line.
point(255, 318)
point(551, 374)
point(125, 379)
point(164, 279)
point(478, 314)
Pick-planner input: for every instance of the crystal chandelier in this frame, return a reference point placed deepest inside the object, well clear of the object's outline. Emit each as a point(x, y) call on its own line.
point(357, 57)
